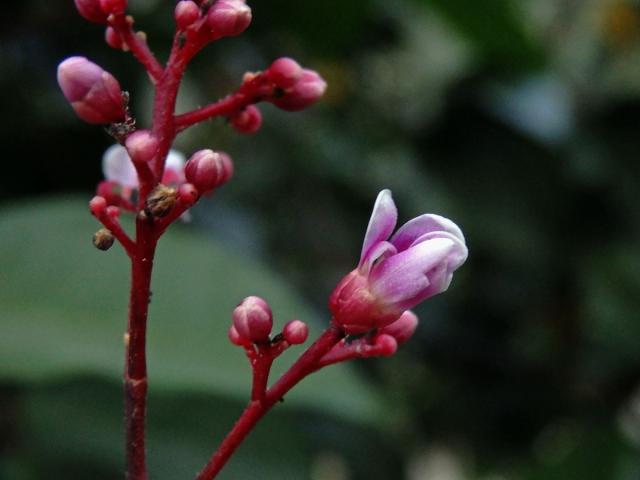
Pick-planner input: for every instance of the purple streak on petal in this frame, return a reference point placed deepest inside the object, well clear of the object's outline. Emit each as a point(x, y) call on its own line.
point(382, 222)
point(409, 277)
point(417, 227)
point(379, 251)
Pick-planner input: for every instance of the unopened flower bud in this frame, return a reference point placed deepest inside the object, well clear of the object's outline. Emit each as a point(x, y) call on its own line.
point(141, 146)
point(228, 18)
point(247, 121)
point(284, 72)
point(103, 239)
point(207, 170)
point(94, 93)
point(113, 211)
point(403, 328)
point(91, 10)
point(97, 205)
point(161, 201)
point(295, 332)
point(386, 345)
point(305, 92)
point(235, 337)
point(113, 38)
point(253, 319)
point(115, 7)
point(186, 12)
point(188, 193)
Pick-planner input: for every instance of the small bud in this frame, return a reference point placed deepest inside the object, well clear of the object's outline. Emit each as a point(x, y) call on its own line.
point(94, 93)
point(113, 38)
point(188, 193)
point(403, 328)
point(306, 91)
point(113, 211)
point(103, 239)
point(247, 121)
point(141, 146)
point(284, 72)
point(295, 332)
point(186, 12)
point(207, 170)
point(228, 18)
point(114, 7)
point(386, 345)
point(161, 201)
point(235, 337)
point(97, 205)
point(253, 319)
point(91, 10)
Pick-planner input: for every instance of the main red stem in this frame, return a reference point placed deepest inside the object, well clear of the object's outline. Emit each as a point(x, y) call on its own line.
point(256, 409)
point(135, 371)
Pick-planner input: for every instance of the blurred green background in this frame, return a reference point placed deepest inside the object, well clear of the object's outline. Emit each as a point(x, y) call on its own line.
point(518, 119)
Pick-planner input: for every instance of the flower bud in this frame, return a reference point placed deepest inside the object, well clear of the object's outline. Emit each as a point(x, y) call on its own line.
point(186, 12)
point(253, 319)
point(161, 201)
point(403, 328)
point(235, 338)
point(386, 345)
point(97, 205)
point(188, 194)
point(295, 332)
point(207, 170)
point(141, 146)
point(91, 10)
point(247, 121)
point(228, 18)
point(305, 92)
point(103, 239)
point(115, 7)
point(113, 38)
point(284, 72)
point(94, 93)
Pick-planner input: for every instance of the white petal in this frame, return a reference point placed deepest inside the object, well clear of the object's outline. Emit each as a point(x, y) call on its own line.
point(117, 167)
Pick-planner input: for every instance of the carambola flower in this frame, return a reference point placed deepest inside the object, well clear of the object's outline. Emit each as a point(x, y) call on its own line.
point(397, 273)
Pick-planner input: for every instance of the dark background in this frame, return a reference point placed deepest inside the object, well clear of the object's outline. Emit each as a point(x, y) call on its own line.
point(517, 119)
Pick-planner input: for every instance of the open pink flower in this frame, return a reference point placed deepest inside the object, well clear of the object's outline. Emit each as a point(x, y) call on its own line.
point(397, 273)
point(118, 167)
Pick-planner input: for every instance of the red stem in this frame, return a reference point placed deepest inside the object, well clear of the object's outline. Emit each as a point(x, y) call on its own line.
point(256, 408)
point(123, 24)
point(113, 225)
point(224, 107)
point(135, 371)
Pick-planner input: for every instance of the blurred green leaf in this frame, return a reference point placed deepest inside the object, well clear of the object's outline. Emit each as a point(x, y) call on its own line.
point(73, 430)
point(494, 28)
point(65, 304)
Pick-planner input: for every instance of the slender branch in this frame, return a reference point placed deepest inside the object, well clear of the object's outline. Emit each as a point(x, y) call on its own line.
point(256, 408)
point(113, 225)
point(135, 371)
point(123, 25)
point(261, 364)
point(224, 107)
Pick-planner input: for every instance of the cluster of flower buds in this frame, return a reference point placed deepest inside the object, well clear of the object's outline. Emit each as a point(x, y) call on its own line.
point(94, 93)
point(295, 88)
point(253, 322)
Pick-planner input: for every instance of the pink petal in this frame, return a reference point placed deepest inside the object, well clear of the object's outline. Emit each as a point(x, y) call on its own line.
point(417, 227)
point(405, 279)
point(381, 224)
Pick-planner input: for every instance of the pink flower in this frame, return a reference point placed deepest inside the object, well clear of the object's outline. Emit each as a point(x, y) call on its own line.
point(94, 93)
point(397, 273)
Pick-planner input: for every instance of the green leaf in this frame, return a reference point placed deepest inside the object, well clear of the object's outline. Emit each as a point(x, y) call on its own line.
point(65, 306)
point(495, 28)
